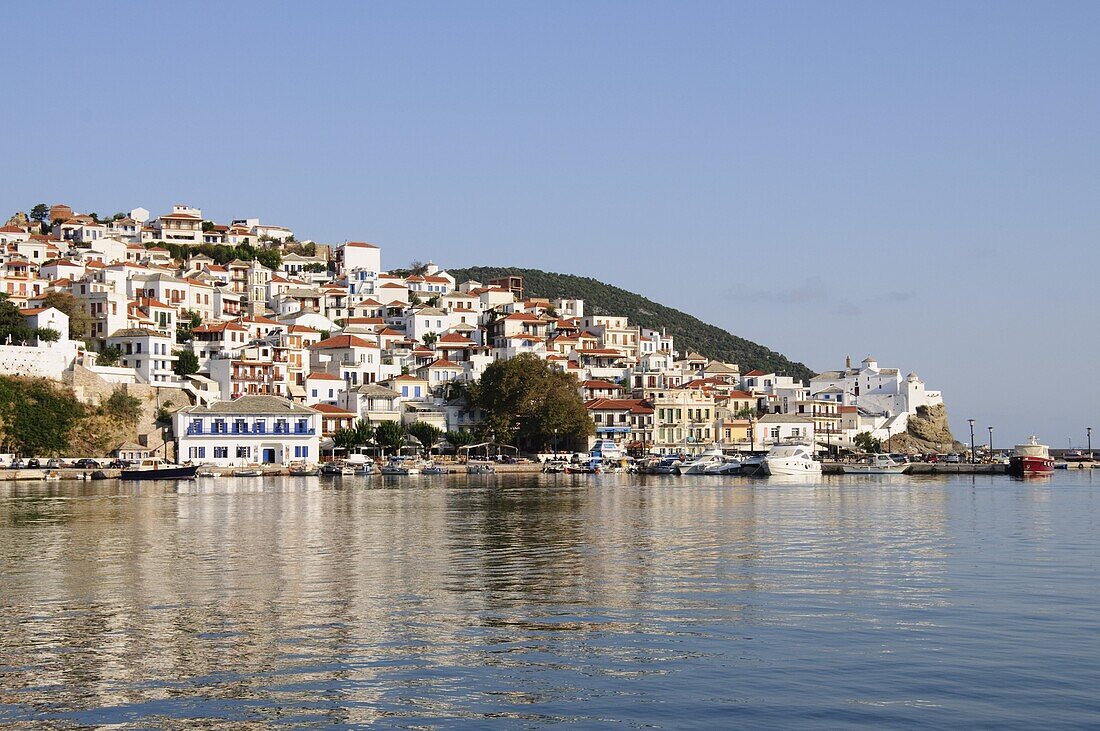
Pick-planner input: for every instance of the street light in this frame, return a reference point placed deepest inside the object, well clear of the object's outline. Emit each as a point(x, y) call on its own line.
point(971, 440)
point(1088, 431)
point(990, 443)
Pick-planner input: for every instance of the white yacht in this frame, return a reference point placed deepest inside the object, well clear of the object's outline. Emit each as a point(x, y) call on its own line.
point(791, 459)
point(712, 457)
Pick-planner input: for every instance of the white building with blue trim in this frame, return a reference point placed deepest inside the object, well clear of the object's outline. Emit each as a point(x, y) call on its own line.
point(254, 429)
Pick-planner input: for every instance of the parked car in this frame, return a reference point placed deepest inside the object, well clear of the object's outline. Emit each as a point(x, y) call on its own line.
point(33, 463)
point(952, 459)
point(86, 464)
point(54, 463)
point(18, 464)
point(119, 464)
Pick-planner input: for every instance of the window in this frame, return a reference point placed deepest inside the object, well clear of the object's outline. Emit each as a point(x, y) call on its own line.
point(196, 426)
point(260, 426)
point(197, 452)
point(221, 452)
point(244, 452)
point(301, 452)
point(775, 432)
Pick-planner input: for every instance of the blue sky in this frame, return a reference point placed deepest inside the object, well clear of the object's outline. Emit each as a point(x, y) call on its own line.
point(917, 182)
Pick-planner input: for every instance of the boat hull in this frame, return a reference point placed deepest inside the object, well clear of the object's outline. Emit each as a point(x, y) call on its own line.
point(167, 473)
point(1024, 466)
point(792, 467)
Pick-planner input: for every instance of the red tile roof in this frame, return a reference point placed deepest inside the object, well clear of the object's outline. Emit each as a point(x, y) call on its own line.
point(342, 341)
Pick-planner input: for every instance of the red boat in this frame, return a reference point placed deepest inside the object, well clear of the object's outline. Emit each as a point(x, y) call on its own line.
point(1030, 459)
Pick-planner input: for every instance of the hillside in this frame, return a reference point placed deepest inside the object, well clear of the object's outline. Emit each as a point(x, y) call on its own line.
point(690, 333)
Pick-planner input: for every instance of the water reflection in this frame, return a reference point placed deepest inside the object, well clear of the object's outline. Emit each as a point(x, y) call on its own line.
point(534, 598)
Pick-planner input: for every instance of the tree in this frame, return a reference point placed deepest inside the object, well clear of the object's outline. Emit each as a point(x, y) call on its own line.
point(390, 435)
point(13, 326)
point(529, 404)
point(108, 356)
point(80, 322)
point(430, 339)
point(418, 268)
point(433, 301)
point(186, 322)
point(867, 443)
point(40, 213)
point(460, 438)
point(186, 363)
point(122, 405)
point(47, 334)
point(428, 435)
point(414, 299)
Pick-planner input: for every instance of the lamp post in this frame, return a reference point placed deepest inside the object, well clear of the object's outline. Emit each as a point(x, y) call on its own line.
point(990, 443)
point(971, 440)
point(1088, 431)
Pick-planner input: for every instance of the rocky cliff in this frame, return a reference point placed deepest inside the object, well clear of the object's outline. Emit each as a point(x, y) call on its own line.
point(928, 432)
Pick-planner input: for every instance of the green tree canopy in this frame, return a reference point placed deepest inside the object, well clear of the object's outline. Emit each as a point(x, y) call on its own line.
point(428, 435)
point(12, 323)
point(529, 404)
point(867, 443)
point(390, 435)
point(186, 363)
point(80, 322)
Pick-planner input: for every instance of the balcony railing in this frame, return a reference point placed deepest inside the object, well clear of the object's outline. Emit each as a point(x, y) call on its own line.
point(245, 430)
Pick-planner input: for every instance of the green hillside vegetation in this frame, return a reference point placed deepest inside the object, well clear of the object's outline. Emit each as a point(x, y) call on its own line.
point(690, 333)
point(40, 417)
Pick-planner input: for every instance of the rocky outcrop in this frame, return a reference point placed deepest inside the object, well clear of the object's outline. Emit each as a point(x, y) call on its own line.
point(928, 431)
point(19, 219)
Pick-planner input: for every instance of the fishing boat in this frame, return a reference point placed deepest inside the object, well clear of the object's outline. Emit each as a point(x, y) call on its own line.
point(791, 459)
point(158, 469)
point(303, 469)
point(400, 466)
point(1030, 459)
point(876, 464)
point(51, 475)
point(480, 468)
point(554, 467)
point(208, 471)
point(591, 467)
point(431, 468)
point(248, 472)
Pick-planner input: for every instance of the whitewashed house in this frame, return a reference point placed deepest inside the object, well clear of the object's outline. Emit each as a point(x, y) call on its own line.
point(248, 429)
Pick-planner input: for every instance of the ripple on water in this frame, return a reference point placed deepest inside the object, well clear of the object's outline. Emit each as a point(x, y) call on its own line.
point(529, 601)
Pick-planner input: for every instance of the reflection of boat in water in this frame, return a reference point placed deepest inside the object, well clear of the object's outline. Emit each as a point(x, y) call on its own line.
point(791, 459)
point(158, 469)
point(877, 464)
point(1030, 459)
point(480, 468)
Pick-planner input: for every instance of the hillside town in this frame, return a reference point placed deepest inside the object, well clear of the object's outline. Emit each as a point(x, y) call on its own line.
point(265, 357)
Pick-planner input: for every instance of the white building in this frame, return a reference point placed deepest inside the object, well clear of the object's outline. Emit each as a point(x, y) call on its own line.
point(249, 429)
point(874, 389)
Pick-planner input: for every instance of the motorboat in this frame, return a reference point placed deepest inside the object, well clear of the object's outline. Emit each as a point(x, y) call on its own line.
point(208, 471)
point(711, 457)
point(480, 468)
point(728, 466)
point(51, 475)
point(791, 459)
point(1030, 459)
point(248, 472)
point(431, 468)
point(663, 466)
point(337, 468)
point(876, 464)
point(158, 469)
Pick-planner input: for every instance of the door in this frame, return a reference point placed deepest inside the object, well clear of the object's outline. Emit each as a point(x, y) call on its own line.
point(269, 456)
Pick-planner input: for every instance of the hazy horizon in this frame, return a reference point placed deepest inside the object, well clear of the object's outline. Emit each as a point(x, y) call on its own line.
point(918, 183)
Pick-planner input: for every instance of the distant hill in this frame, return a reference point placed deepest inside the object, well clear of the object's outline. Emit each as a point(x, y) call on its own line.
point(690, 333)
